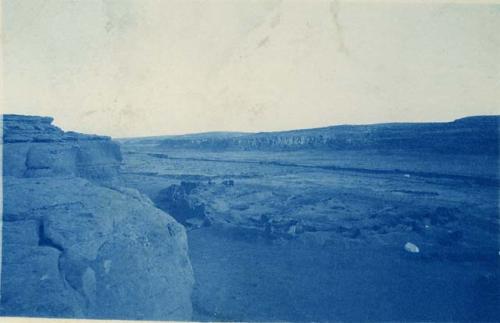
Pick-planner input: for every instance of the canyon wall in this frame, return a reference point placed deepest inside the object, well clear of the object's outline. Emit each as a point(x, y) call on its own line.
point(463, 136)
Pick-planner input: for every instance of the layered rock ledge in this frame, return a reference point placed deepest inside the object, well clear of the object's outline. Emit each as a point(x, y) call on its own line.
point(33, 147)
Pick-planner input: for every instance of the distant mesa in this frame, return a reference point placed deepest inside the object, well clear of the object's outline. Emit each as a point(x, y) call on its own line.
point(471, 135)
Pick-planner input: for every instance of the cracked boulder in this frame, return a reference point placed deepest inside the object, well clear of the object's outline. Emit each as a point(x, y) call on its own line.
point(94, 251)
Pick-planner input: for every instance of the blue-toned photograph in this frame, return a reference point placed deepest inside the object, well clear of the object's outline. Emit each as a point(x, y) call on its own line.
point(250, 161)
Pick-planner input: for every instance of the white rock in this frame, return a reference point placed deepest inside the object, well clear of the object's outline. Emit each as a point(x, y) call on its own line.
point(410, 247)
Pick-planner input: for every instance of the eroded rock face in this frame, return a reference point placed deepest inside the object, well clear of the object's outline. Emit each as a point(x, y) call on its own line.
point(33, 147)
point(75, 247)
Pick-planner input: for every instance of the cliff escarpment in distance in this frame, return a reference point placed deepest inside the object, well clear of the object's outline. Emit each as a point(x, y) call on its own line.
point(469, 135)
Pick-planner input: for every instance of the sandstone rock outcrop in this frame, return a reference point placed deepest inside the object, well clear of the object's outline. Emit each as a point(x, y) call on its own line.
point(76, 245)
point(33, 147)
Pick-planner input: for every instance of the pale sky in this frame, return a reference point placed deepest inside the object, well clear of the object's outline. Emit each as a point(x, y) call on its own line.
point(144, 67)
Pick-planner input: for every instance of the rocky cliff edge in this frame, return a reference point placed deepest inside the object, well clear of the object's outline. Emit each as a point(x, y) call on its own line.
point(75, 245)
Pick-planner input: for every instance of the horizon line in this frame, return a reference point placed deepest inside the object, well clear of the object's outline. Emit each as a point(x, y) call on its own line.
point(311, 128)
point(54, 123)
